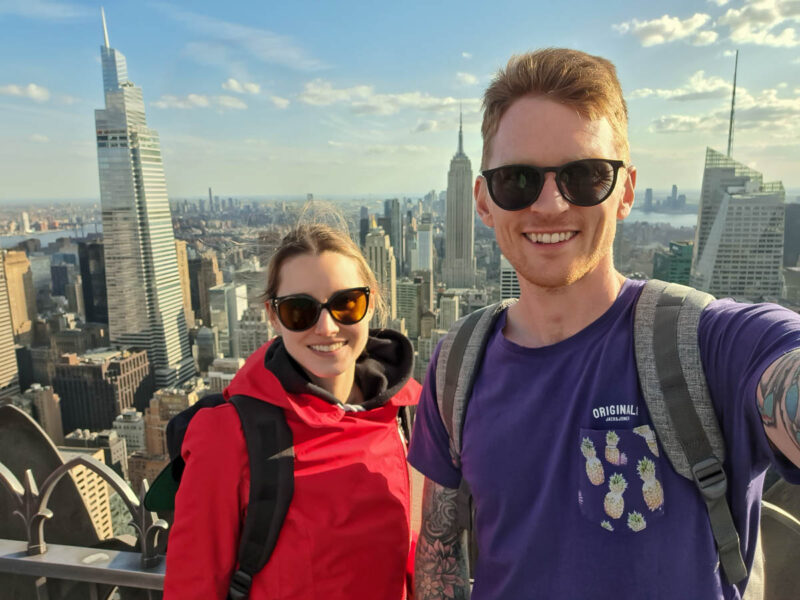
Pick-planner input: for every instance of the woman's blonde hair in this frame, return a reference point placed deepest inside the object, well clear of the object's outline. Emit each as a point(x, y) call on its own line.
point(584, 82)
point(315, 239)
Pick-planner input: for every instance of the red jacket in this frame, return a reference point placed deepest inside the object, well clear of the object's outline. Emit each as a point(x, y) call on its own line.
point(346, 535)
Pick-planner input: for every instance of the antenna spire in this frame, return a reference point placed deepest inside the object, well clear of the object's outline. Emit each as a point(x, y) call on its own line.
point(460, 130)
point(105, 29)
point(733, 104)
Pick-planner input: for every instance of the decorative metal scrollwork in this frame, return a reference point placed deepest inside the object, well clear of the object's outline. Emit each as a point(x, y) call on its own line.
point(32, 506)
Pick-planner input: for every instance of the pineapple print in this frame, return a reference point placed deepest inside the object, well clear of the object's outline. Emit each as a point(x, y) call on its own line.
point(614, 504)
point(612, 452)
point(636, 521)
point(607, 525)
point(651, 489)
point(649, 436)
point(594, 468)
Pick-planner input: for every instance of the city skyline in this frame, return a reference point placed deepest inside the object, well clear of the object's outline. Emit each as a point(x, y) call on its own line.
point(255, 102)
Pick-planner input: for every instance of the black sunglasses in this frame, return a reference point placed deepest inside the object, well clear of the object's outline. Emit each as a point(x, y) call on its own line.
point(298, 312)
point(585, 182)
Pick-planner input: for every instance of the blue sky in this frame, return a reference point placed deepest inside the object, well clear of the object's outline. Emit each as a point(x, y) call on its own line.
point(353, 98)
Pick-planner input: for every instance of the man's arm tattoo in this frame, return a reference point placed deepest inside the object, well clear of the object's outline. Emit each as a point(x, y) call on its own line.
point(778, 404)
point(440, 567)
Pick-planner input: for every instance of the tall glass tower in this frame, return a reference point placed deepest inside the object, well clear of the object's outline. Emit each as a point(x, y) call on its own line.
point(458, 270)
point(145, 307)
point(738, 248)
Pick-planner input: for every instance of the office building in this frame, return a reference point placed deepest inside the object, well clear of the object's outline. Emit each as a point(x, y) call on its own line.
point(448, 310)
point(21, 295)
point(165, 404)
point(410, 304)
point(115, 450)
point(186, 288)
point(675, 264)
point(43, 405)
point(206, 347)
point(145, 308)
point(129, 425)
point(227, 304)
point(97, 386)
point(458, 270)
point(9, 372)
point(739, 238)
point(93, 280)
point(92, 487)
point(221, 373)
point(380, 257)
point(254, 330)
point(204, 274)
point(791, 236)
point(509, 284)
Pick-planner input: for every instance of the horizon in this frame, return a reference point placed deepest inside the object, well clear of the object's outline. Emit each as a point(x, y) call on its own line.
point(282, 104)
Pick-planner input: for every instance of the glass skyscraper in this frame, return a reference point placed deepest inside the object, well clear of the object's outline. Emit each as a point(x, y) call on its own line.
point(145, 308)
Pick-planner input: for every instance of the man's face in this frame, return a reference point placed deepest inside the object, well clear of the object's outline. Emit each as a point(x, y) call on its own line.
point(540, 132)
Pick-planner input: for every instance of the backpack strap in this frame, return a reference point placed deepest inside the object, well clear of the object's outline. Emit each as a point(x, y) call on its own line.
point(674, 387)
point(271, 455)
point(457, 367)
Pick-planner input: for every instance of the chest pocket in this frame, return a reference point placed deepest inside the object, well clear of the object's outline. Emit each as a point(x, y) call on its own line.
point(619, 482)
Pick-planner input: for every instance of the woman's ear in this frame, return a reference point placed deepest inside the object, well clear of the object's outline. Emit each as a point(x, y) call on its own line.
point(273, 317)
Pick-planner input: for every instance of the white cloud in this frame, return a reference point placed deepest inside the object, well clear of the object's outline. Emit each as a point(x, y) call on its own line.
point(758, 21)
point(363, 99)
point(426, 125)
point(230, 102)
point(783, 84)
point(261, 44)
point(669, 29)
point(719, 2)
point(279, 102)
point(240, 87)
point(466, 55)
point(466, 78)
point(766, 111)
point(683, 124)
point(34, 92)
point(43, 9)
point(699, 87)
point(39, 138)
point(728, 53)
point(198, 101)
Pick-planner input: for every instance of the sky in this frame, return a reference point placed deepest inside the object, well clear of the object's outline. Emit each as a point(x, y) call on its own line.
point(266, 98)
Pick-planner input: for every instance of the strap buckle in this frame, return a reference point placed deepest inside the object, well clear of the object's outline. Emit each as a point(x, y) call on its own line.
point(710, 478)
point(240, 585)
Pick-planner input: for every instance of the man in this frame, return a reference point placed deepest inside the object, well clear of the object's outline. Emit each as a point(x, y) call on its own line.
point(573, 498)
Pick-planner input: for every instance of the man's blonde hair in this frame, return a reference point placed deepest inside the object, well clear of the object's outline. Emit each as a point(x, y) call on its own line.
point(584, 82)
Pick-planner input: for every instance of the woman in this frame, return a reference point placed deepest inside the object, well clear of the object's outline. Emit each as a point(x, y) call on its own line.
point(346, 533)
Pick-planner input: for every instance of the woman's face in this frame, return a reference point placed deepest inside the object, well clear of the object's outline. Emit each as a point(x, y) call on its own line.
point(328, 349)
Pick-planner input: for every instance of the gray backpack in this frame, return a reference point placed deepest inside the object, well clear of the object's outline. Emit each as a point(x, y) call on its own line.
point(674, 387)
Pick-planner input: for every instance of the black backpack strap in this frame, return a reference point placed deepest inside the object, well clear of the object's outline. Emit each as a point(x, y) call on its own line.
point(271, 455)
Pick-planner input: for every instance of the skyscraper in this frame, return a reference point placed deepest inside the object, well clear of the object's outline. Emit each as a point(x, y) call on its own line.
point(145, 307)
point(380, 257)
point(9, 378)
point(459, 258)
point(739, 238)
point(509, 284)
point(21, 295)
point(93, 279)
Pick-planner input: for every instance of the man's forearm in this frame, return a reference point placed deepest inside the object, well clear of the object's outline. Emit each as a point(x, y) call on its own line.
point(440, 567)
point(778, 402)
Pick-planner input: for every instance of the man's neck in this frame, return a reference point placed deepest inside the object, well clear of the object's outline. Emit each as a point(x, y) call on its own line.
point(546, 316)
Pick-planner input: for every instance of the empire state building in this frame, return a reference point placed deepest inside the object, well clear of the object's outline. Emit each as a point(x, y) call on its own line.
point(145, 307)
point(458, 270)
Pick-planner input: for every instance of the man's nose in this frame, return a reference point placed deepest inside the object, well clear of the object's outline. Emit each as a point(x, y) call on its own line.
point(550, 199)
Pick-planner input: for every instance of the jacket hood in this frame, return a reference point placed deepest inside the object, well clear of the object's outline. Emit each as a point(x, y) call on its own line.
point(383, 373)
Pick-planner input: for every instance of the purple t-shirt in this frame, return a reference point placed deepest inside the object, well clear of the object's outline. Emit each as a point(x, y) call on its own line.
point(574, 496)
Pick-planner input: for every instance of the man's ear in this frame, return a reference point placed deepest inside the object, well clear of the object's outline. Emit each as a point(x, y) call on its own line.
point(482, 199)
point(626, 204)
